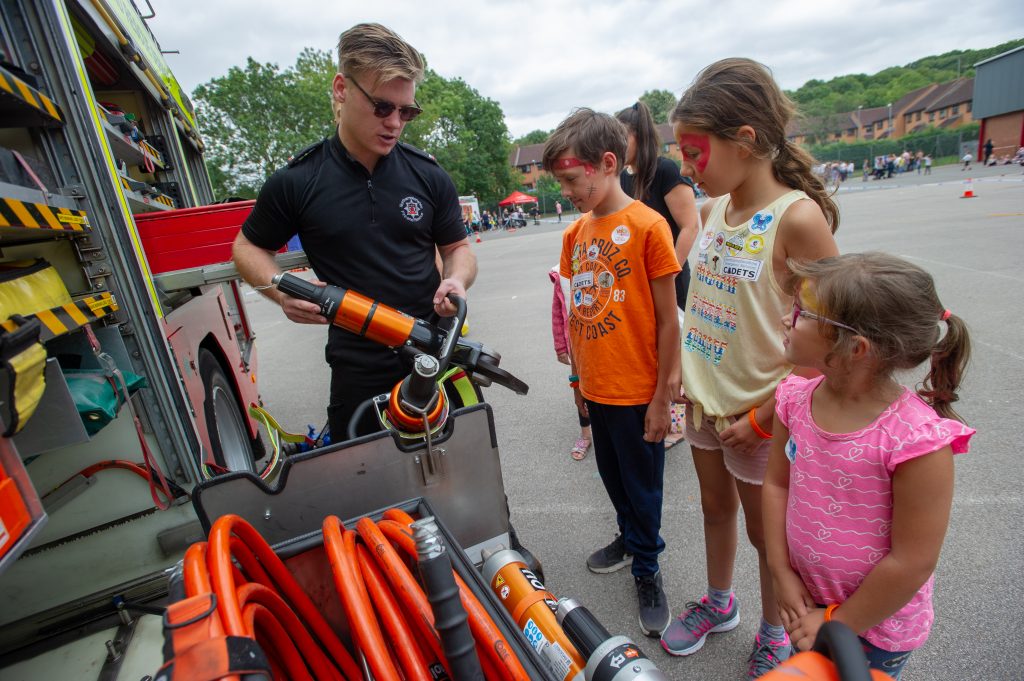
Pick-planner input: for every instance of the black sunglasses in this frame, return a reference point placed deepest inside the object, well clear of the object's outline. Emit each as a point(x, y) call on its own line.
point(383, 108)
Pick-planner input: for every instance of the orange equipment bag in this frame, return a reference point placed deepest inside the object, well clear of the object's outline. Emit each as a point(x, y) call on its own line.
point(196, 650)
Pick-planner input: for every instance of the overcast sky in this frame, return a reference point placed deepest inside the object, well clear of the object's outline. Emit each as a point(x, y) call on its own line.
point(539, 59)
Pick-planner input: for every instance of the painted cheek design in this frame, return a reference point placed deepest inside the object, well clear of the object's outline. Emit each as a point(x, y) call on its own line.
point(701, 144)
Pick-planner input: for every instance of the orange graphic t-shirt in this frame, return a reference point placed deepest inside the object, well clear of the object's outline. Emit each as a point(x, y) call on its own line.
point(609, 262)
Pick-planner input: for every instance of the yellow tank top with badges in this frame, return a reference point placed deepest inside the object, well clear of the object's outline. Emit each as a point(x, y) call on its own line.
point(732, 354)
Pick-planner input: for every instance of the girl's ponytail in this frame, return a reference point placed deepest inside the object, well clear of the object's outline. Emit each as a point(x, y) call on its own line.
point(792, 166)
point(640, 122)
point(949, 360)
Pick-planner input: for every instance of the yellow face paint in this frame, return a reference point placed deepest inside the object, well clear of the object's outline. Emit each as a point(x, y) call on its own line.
point(808, 298)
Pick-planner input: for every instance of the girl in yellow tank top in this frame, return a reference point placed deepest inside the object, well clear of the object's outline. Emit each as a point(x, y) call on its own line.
point(767, 208)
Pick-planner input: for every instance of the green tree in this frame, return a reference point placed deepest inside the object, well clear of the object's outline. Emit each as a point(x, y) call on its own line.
point(532, 137)
point(255, 117)
point(467, 135)
point(846, 93)
point(660, 102)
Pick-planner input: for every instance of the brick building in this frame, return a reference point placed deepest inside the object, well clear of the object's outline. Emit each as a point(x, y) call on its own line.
point(945, 105)
point(999, 102)
point(527, 158)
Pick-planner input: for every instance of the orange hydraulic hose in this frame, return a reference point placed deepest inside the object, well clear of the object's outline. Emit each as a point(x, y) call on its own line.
point(282, 651)
point(414, 665)
point(294, 630)
point(487, 635)
point(399, 516)
point(251, 567)
point(366, 634)
point(221, 578)
point(411, 596)
point(197, 579)
point(403, 584)
point(396, 515)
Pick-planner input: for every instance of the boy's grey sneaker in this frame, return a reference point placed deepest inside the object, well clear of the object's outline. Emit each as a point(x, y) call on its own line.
point(687, 633)
point(654, 611)
point(611, 558)
point(767, 655)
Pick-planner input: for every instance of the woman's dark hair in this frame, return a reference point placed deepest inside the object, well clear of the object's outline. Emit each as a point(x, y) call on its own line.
point(639, 121)
point(893, 304)
point(735, 92)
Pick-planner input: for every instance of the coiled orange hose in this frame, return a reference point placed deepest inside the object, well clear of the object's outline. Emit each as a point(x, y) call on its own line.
point(366, 634)
point(406, 647)
point(490, 641)
point(390, 619)
point(223, 582)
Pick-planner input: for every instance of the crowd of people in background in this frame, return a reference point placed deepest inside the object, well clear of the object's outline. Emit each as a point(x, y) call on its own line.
point(883, 166)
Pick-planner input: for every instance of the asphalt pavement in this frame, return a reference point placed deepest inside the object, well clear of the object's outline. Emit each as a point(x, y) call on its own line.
point(973, 247)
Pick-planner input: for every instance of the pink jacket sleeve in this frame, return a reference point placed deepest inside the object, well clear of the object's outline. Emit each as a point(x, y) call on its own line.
point(559, 318)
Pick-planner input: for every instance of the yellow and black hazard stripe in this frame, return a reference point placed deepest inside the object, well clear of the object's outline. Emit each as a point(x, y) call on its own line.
point(16, 87)
point(60, 320)
point(159, 198)
point(152, 151)
point(14, 213)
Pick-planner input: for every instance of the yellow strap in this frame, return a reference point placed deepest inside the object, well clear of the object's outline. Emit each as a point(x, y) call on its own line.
point(27, 384)
point(262, 415)
point(463, 385)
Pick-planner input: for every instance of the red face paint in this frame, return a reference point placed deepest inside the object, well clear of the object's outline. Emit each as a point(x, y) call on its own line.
point(566, 163)
point(699, 142)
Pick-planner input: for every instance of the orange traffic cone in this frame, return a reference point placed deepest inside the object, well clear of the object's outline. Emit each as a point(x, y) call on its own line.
point(478, 239)
point(968, 189)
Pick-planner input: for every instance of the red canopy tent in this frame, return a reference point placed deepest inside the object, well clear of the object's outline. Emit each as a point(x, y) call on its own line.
point(516, 198)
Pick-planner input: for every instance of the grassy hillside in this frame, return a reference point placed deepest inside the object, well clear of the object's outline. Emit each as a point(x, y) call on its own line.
point(846, 93)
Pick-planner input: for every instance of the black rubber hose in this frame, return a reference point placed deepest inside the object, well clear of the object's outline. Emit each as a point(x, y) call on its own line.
point(450, 619)
point(353, 424)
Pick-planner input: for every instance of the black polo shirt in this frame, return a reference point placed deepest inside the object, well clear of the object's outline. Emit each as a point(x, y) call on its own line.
point(374, 234)
point(666, 178)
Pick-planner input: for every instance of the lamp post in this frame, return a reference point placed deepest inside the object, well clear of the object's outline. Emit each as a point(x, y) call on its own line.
point(859, 123)
point(890, 120)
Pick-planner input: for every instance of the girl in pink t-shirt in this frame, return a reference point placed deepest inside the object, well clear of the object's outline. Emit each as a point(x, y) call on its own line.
point(860, 479)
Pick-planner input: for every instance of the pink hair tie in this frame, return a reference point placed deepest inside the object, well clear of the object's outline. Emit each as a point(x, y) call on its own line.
point(945, 315)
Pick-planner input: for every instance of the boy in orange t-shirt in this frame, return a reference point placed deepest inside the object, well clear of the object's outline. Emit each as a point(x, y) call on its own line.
point(624, 337)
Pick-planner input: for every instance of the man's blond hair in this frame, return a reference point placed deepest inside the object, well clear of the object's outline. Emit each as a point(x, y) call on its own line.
point(373, 49)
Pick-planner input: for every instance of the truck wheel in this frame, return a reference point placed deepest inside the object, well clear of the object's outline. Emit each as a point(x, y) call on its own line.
point(229, 436)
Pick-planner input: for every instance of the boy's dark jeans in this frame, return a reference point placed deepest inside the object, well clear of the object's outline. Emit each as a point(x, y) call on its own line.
point(633, 473)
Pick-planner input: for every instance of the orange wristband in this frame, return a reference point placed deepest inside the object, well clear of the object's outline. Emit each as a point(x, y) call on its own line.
point(756, 426)
point(829, 610)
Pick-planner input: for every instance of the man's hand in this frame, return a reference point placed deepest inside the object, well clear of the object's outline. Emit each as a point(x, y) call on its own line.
point(302, 311)
point(563, 357)
point(442, 305)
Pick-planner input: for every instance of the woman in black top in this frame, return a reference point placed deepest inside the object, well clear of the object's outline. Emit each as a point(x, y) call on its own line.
point(656, 181)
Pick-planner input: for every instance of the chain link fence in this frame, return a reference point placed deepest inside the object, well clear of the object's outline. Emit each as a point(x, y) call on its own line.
point(952, 145)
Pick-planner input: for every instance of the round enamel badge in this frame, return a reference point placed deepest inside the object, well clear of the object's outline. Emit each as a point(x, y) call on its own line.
point(412, 208)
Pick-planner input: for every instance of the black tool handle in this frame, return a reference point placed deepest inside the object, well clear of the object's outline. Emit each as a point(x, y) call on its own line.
point(298, 288)
point(584, 630)
point(837, 641)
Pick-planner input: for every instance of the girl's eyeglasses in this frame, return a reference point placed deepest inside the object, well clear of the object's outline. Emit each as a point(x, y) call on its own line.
point(800, 312)
point(383, 108)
